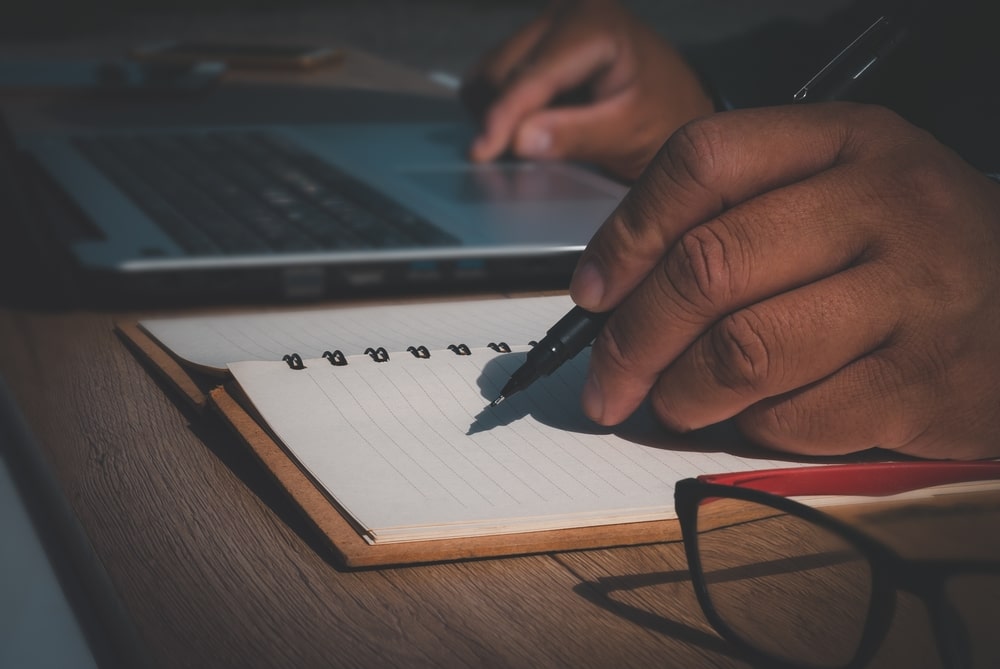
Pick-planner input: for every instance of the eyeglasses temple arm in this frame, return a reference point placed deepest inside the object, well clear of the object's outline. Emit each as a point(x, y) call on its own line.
point(869, 479)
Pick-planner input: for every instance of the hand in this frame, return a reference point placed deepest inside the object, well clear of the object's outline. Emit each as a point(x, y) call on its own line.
point(827, 274)
point(638, 90)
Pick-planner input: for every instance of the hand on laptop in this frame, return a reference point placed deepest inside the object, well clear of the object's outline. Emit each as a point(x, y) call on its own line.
point(827, 274)
point(587, 81)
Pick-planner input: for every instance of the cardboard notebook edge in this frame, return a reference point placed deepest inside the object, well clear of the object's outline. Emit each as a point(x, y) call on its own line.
point(168, 368)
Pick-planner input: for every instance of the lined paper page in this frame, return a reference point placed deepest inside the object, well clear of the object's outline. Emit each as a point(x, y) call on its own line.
point(215, 341)
point(407, 449)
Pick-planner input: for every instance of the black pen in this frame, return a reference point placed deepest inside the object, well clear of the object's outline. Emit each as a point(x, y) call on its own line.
point(855, 62)
point(562, 342)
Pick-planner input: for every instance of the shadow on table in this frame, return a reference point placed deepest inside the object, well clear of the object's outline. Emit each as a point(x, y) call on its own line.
point(601, 592)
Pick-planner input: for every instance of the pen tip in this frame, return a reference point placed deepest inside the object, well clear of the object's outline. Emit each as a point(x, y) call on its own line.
point(495, 402)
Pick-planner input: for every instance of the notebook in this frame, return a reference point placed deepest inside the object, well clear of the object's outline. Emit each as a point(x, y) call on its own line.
point(374, 420)
point(302, 211)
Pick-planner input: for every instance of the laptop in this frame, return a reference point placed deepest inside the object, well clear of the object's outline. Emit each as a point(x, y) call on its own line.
point(305, 211)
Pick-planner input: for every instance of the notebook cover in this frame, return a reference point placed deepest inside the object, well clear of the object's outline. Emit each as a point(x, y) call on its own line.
point(191, 386)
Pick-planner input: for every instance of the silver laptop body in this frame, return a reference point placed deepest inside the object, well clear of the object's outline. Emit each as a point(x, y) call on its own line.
point(505, 225)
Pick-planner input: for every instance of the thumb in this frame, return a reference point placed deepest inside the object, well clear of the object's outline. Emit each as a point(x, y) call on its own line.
point(599, 133)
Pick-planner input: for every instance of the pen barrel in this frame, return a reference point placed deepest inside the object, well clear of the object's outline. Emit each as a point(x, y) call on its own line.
point(570, 335)
point(563, 341)
point(854, 65)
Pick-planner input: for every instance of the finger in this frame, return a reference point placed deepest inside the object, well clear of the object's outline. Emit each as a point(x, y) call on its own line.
point(904, 396)
point(579, 133)
point(483, 83)
point(866, 404)
point(766, 246)
point(776, 346)
point(704, 168)
point(559, 66)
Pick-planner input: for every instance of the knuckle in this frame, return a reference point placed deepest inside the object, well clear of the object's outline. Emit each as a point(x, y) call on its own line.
point(666, 413)
point(876, 116)
point(895, 372)
point(632, 217)
point(857, 413)
point(870, 123)
point(920, 172)
point(930, 181)
point(622, 236)
point(737, 353)
point(700, 268)
point(779, 424)
point(630, 234)
point(691, 154)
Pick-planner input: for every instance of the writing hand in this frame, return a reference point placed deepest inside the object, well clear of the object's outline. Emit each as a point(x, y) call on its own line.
point(828, 274)
point(637, 90)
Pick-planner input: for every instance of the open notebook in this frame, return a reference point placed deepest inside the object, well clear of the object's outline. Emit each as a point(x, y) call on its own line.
point(408, 450)
point(393, 452)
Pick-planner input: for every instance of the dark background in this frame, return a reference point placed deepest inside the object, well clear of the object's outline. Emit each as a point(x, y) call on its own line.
point(431, 34)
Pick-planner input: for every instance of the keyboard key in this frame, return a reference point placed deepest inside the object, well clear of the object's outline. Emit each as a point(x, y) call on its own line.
point(252, 192)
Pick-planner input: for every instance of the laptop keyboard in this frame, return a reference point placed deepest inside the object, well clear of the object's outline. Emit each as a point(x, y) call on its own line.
point(251, 192)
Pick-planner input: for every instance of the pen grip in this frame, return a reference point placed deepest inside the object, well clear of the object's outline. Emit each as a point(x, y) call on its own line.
point(570, 335)
point(578, 328)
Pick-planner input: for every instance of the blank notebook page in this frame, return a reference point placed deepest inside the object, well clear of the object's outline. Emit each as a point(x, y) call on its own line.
point(407, 450)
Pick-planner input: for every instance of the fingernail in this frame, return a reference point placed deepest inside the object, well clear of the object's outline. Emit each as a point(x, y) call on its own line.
point(535, 142)
point(592, 399)
point(587, 286)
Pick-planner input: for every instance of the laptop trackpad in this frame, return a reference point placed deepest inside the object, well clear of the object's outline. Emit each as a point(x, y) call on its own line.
point(505, 183)
point(526, 202)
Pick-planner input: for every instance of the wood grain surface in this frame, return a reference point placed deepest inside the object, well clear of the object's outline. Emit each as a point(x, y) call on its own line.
point(217, 568)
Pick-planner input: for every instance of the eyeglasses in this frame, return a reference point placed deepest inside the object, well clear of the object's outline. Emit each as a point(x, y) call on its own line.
point(791, 586)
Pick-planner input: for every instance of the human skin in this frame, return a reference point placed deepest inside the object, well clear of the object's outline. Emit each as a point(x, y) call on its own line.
point(826, 275)
point(636, 90)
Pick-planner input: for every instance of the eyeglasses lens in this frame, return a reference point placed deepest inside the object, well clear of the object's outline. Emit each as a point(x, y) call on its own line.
point(786, 586)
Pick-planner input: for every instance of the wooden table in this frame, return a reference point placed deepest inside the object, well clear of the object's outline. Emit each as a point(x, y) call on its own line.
point(216, 568)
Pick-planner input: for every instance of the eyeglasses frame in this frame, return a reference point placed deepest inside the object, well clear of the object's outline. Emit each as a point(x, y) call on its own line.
point(890, 572)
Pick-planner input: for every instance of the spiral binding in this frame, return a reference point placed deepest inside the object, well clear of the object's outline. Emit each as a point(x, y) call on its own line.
point(377, 354)
point(338, 359)
point(294, 361)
